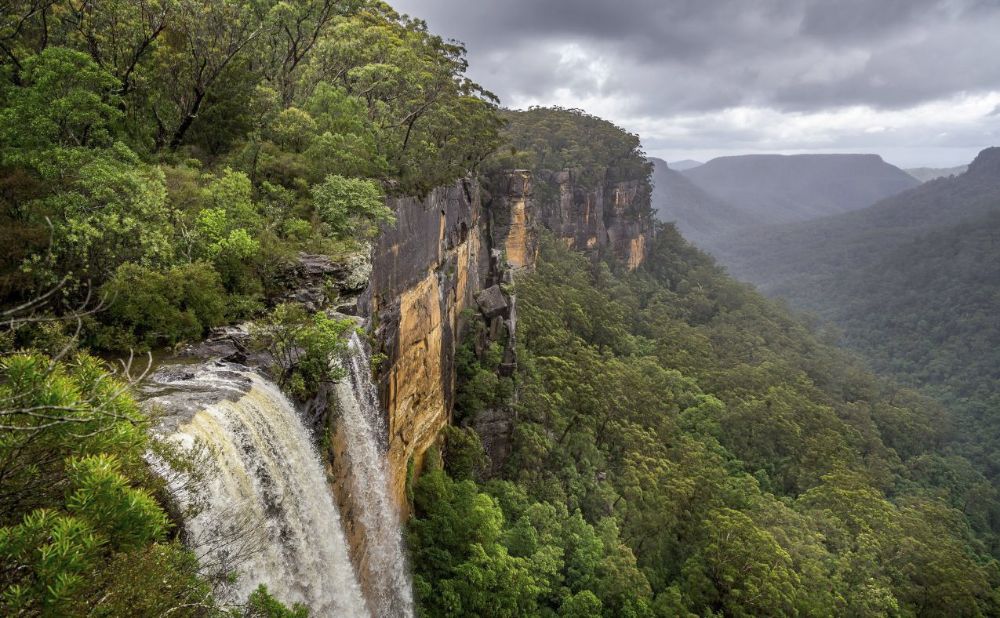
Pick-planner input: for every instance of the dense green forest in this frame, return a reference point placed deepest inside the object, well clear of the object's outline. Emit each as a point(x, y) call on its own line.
point(925, 313)
point(161, 161)
point(683, 446)
point(912, 283)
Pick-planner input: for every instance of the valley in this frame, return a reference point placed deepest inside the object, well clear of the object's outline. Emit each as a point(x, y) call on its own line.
point(299, 317)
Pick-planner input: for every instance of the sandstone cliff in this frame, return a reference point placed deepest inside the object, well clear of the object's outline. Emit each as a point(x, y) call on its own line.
point(446, 261)
point(598, 215)
point(449, 253)
point(427, 268)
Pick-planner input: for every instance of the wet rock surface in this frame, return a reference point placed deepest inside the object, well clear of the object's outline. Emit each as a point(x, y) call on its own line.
point(176, 392)
point(427, 269)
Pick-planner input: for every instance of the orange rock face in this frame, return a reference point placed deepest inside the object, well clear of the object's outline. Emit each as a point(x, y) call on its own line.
point(426, 271)
point(636, 252)
point(429, 266)
point(516, 245)
point(417, 382)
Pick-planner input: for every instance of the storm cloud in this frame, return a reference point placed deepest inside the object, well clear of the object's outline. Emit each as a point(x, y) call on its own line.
point(915, 80)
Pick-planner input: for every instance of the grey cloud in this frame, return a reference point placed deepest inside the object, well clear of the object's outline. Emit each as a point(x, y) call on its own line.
point(857, 20)
point(670, 59)
point(733, 51)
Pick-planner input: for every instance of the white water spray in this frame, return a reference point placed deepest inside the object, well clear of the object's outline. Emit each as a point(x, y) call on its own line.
point(363, 428)
point(267, 510)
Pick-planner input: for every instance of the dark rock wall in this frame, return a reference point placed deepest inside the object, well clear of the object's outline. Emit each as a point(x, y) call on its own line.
point(426, 269)
point(512, 222)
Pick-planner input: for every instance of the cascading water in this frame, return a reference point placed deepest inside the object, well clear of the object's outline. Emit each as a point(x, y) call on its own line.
point(265, 507)
point(363, 428)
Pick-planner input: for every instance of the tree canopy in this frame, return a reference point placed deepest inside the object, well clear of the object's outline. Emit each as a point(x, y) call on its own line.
point(683, 446)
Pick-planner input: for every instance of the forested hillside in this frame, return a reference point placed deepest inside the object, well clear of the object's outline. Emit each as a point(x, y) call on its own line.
point(911, 279)
point(913, 283)
point(683, 446)
point(553, 139)
point(228, 133)
point(925, 312)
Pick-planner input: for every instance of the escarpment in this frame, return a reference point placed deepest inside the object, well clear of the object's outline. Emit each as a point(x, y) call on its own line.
point(444, 265)
point(594, 212)
point(427, 268)
point(446, 261)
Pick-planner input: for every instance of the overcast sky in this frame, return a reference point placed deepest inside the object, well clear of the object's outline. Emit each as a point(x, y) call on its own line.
point(917, 81)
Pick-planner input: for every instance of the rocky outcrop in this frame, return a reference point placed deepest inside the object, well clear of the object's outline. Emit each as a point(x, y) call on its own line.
point(512, 221)
point(426, 270)
point(629, 224)
point(492, 302)
point(576, 213)
point(447, 253)
point(592, 213)
point(448, 259)
point(317, 282)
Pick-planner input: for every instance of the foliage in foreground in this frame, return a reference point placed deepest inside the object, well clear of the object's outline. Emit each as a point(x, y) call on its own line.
point(82, 530)
point(82, 533)
point(177, 156)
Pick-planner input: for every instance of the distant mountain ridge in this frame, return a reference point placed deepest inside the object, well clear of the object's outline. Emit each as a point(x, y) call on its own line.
point(698, 215)
point(711, 201)
point(788, 259)
point(685, 164)
point(789, 188)
point(925, 174)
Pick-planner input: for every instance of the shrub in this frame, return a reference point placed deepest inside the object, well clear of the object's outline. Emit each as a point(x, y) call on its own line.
point(303, 347)
point(83, 534)
point(340, 202)
point(262, 605)
point(149, 308)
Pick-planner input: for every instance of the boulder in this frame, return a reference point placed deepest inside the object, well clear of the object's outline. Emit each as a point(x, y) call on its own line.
point(492, 302)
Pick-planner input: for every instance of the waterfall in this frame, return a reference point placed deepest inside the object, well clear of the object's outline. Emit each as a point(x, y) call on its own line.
point(363, 429)
point(265, 507)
